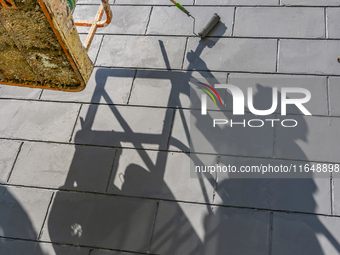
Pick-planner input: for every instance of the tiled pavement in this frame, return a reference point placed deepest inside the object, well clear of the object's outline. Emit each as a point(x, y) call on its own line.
point(104, 171)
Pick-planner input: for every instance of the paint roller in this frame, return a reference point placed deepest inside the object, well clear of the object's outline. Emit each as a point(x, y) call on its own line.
point(208, 26)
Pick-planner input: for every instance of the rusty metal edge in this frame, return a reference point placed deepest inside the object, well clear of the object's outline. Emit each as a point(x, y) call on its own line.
point(40, 87)
point(56, 32)
point(89, 23)
point(4, 5)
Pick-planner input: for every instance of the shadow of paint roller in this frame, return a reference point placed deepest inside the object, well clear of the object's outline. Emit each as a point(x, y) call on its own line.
point(208, 26)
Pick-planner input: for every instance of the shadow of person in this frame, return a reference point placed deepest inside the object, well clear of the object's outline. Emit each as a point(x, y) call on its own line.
point(76, 218)
point(287, 193)
point(15, 223)
point(275, 193)
point(97, 220)
point(206, 229)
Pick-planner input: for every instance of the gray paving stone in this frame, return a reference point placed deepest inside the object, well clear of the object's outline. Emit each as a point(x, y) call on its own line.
point(95, 45)
point(263, 84)
point(19, 92)
point(334, 91)
point(152, 2)
point(236, 2)
point(179, 140)
point(280, 22)
point(309, 56)
point(333, 30)
point(180, 24)
point(314, 139)
point(311, 2)
point(22, 211)
point(124, 126)
point(37, 120)
point(305, 234)
point(336, 193)
point(168, 88)
point(9, 151)
point(142, 52)
point(198, 229)
point(54, 249)
point(231, 54)
point(100, 221)
point(236, 140)
point(160, 175)
point(8, 246)
point(126, 19)
point(309, 194)
point(106, 86)
point(70, 167)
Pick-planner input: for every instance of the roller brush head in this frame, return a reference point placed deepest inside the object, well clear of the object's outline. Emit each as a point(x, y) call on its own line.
point(209, 26)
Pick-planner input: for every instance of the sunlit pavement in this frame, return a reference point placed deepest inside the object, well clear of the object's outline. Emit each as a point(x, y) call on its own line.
point(106, 171)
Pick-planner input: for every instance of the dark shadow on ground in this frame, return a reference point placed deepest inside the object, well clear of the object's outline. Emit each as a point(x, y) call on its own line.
point(91, 220)
point(15, 223)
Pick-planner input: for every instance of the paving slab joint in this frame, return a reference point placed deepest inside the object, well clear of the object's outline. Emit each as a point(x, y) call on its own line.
point(46, 215)
point(147, 24)
point(75, 123)
point(132, 85)
point(16, 158)
point(270, 234)
point(153, 227)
